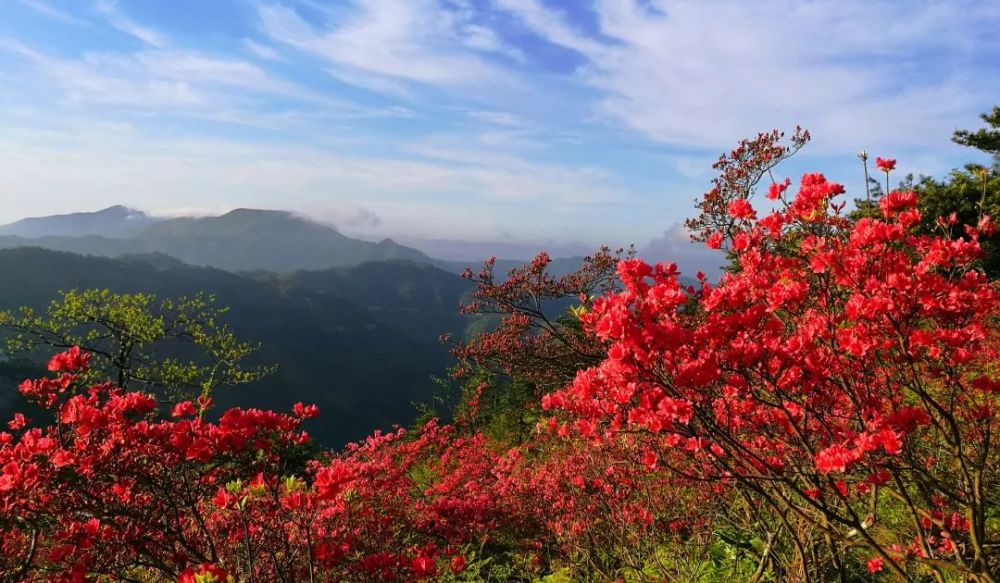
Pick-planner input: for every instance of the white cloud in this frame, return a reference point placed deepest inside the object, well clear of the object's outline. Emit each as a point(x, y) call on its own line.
point(856, 72)
point(501, 118)
point(370, 81)
point(384, 42)
point(692, 167)
point(484, 39)
point(50, 11)
point(109, 9)
point(200, 210)
point(90, 82)
point(343, 215)
point(550, 23)
point(261, 51)
point(502, 166)
point(159, 80)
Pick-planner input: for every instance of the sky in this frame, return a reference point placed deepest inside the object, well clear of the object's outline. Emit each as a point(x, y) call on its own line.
point(484, 120)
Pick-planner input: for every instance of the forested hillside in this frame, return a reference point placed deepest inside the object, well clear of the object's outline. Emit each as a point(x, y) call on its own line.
point(361, 342)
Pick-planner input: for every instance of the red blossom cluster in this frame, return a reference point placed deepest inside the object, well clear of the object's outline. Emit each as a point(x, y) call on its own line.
point(113, 488)
point(727, 203)
point(110, 484)
point(885, 164)
point(831, 365)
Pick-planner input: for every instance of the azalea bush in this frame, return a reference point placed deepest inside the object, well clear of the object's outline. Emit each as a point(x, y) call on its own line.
point(115, 489)
point(844, 376)
point(827, 410)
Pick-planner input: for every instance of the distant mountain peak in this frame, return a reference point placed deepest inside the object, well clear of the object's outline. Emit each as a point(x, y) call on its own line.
point(125, 213)
point(115, 221)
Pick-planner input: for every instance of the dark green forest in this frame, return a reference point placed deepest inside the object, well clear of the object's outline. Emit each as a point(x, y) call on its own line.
point(360, 342)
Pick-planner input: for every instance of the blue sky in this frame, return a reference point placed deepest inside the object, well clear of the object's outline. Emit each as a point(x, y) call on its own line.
point(536, 120)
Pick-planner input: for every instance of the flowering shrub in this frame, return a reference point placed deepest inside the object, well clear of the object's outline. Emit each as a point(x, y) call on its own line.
point(845, 377)
point(111, 487)
point(114, 488)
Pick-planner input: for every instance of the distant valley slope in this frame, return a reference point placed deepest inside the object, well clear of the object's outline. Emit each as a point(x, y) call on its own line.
point(360, 342)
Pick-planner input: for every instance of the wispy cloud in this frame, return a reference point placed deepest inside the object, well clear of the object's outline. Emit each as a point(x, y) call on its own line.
point(91, 82)
point(182, 80)
point(699, 74)
point(150, 36)
point(343, 215)
point(50, 11)
point(484, 39)
point(394, 41)
point(502, 118)
point(261, 51)
point(551, 24)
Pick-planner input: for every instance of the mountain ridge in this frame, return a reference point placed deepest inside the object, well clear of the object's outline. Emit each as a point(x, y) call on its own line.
point(247, 239)
point(113, 222)
point(239, 240)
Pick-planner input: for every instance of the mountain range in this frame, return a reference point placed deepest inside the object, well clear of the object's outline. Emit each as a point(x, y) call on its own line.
point(240, 240)
point(353, 325)
point(284, 242)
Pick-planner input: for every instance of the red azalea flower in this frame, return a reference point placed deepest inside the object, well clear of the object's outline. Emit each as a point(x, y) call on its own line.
point(458, 564)
point(875, 565)
point(18, 422)
point(885, 164)
point(305, 411)
point(740, 209)
point(72, 360)
point(896, 202)
point(184, 409)
point(424, 566)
